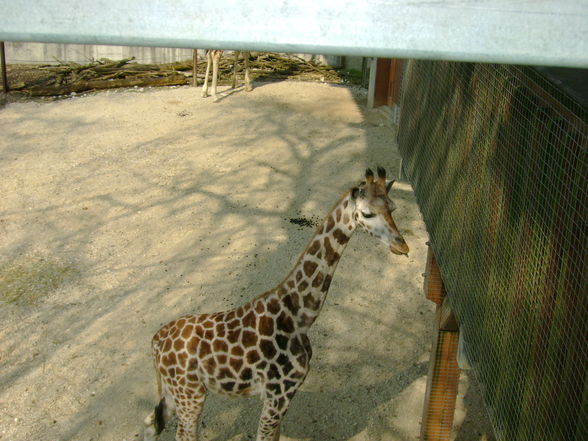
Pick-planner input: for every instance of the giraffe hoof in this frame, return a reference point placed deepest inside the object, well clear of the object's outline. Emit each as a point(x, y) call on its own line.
point(149, 419)
point(149, 434)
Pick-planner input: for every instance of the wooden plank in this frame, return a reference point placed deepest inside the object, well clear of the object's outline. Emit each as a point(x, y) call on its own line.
point(381, 84)
point(433, 284)
point(442, 385)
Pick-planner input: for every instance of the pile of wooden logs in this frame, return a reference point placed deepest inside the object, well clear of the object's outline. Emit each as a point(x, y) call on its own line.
point(66, 78)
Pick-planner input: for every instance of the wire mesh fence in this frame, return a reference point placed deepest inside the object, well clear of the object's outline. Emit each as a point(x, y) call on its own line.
point(498, 158)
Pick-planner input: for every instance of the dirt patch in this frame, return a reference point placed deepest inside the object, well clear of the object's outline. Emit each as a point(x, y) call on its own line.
point(156, 203)
point(27, 279)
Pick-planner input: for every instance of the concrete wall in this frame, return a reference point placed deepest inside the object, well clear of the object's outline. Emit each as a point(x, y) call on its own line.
point(47, 53)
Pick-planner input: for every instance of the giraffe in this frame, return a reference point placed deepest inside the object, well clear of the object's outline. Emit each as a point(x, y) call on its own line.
point(262, 347)
point(213, 57)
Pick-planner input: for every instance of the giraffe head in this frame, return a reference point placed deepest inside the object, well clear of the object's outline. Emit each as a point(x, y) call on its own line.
point(373, 210)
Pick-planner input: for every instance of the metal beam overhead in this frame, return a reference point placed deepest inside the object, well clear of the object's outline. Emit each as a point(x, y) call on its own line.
point(539, 32)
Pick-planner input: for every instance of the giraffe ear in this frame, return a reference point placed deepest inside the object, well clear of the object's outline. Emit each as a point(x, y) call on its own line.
point(389, 185)
point(355, 193)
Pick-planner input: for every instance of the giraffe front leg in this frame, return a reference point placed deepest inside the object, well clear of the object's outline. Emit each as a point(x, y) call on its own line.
point(270, 420)
point(208, 63)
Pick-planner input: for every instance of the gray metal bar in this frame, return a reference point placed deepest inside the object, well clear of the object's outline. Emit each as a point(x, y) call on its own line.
point(540, 32)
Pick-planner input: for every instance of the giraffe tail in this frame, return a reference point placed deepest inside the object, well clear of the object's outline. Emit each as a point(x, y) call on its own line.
point(160, 416)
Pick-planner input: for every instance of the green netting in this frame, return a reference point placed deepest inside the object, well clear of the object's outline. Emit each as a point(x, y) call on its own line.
point(498, 159)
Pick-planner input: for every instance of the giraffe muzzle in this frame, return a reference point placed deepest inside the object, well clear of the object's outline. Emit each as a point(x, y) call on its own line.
point(399, 247)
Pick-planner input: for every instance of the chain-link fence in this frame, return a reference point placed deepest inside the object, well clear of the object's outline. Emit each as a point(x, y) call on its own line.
point(498, 157)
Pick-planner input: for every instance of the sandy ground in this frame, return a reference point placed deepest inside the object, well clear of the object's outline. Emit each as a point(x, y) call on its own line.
point(122, 210)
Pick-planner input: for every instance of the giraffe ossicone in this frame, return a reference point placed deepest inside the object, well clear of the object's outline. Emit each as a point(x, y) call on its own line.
point(262, 347)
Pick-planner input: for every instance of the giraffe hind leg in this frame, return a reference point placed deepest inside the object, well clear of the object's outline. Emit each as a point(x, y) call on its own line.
point(208, 64)
point(234, 82)
point(188, 411)
point(248, 86)
point(215, 60)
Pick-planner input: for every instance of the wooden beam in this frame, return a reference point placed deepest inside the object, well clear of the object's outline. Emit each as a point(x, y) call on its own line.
point(433, 285)
point(3, 67)
point(443, 377)
point(442, 385)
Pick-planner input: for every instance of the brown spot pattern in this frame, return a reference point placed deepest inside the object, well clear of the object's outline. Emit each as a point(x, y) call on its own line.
point(292, 303)
point(178, 345)
point(193, 345)
point(340, 236)
point(220, 346)
point(285, 324)
point(311, 303)
point(266, 325)
point(187, 331)
point(237, 350)
point(204, 349)
point(316, 245)
point(330, 224)
point(249, 320)
point(317, 280)
point(249, 338)
point(331, 255)
point(236, 364)
point(273, 306)
point(233, 336)
point(309, 268)
point(268, 348)
point(253, 357)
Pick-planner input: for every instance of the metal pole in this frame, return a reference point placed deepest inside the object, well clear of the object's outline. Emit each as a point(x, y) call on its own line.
point(3, 67)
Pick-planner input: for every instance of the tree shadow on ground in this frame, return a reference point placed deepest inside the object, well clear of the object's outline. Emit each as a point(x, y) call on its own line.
point(119, 320)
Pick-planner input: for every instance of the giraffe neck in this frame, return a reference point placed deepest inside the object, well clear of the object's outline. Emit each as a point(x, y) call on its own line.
point(304, 290)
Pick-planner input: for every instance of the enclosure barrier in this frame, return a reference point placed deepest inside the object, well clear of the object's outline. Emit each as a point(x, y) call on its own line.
point(497, 156)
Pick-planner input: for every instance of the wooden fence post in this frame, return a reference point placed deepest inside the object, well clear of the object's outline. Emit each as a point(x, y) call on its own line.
point(3, 67)
point(443, 377)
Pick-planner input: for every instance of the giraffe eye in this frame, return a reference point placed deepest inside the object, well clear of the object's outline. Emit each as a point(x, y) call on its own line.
point(367, 215)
